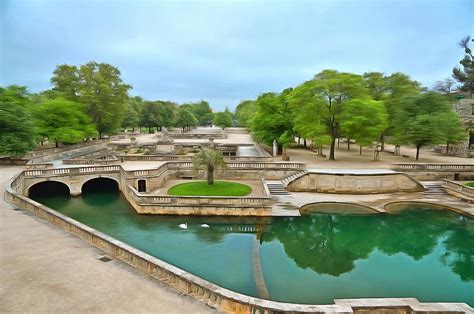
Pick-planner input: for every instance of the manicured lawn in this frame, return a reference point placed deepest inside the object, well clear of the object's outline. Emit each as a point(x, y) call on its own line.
point(219, 188)
point(471, 184)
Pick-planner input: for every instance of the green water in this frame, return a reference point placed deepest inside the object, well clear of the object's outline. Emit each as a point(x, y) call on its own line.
point(315, 258)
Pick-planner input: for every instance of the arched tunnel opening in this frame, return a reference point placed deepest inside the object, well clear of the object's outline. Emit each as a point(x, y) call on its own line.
point(48, 189)
point(100, 185)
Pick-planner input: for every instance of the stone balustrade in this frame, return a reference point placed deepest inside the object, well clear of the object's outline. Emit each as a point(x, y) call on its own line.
point(459, 190)
point(433, 167)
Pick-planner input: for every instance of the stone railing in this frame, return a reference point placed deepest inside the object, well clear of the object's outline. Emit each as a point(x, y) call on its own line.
point(96, 161)
point(165, 157)
point(70, 171)
point(52, 151)
point(234, 201)
point(211, 294)
point(433, 167)
point(459, 190)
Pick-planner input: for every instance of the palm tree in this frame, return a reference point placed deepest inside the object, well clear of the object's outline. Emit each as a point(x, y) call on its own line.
point(210, 159)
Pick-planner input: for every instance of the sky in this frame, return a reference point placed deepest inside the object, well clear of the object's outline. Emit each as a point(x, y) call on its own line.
point(227, 51)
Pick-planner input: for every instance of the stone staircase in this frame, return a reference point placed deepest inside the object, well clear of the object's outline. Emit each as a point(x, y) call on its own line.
point(276, 188)
point(433, 188)
point(285, 181)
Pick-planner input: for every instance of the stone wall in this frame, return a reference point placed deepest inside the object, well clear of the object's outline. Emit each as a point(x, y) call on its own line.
point(354, 184)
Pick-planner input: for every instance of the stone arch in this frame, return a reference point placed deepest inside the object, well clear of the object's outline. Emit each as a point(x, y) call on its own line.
point(48, 188)
point(337, 207)
point(100, 183)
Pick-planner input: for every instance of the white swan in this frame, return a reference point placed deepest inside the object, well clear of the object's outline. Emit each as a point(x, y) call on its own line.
point(184, 226)
point(205, 225)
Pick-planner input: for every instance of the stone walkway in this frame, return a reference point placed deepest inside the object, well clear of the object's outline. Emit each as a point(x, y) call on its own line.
point(45, 269)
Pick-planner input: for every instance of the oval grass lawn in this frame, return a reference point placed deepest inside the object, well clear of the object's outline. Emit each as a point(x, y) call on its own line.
point(471, 184)
point(219, 188)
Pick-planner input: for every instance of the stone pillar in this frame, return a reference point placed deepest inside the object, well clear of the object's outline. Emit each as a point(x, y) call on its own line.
point(75, 191)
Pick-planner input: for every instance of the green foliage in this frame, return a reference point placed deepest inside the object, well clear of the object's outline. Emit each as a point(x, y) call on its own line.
point(471, 184)
point(364, 120)
point(223, 119)
point(323, 101)
point(158, 114)
point(133, 109)
point(421, 120)
point(17, 133)
point(201, 111)
point(244, 112)
point(184, 118)
point(99, 87)
point(219, 188)
point(211, 160)
point(465, 75)
point(273, 119)
point(63, 121)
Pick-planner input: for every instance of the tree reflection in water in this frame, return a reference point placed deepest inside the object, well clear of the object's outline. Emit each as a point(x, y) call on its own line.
point(330, 243)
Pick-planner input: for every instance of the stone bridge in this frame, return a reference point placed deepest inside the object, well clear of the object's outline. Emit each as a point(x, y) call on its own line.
point(73, 178)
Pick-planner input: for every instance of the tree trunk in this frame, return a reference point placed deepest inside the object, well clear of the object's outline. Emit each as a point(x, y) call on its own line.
point(100, 135)
point(56, 144)
point(447, 148)
point(348, 144)
point(360, 150)
point(338, 140)
point(417, 151)
point(382, 142)
point(210, 174)
point(332, 148)
point(304, 143)
point(299, 140)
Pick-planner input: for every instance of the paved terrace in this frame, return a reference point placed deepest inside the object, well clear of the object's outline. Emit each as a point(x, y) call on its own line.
point(46, 269)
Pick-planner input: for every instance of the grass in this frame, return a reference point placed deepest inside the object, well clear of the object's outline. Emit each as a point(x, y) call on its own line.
point(219, 188)
point(471, 184)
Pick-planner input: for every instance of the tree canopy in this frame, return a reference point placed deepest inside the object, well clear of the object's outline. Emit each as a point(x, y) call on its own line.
point(223, 119)
point(17, 133)
point(63, 121)
point(465, 73)
point(184, 119)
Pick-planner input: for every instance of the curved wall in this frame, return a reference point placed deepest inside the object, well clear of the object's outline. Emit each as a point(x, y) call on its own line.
point(345, 183)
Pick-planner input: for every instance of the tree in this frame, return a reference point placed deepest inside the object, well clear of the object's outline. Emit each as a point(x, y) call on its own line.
point(66, 81)
point(61, 120)
point(99, 87)
point(421, 120)
point(328, 93)
point(273, 119)
point(223, 119)
point(364, 121)
point(397, 86)
point(185, 119)
point(465, 75)
point(452, 128)
point(211, 160)
point(17, 133)
point(157, 114)
point(445, 86)
point(201, 111)
point(244, 112)
point(133, 109)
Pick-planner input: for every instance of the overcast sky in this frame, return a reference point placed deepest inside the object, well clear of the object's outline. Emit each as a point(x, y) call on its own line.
point(226, 51)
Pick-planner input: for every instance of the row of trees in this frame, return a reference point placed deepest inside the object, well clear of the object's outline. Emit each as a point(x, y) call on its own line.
point(365, 108)
point(88, 101)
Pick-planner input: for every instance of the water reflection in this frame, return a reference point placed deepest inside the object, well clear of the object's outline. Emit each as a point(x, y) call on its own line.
point(329, 243)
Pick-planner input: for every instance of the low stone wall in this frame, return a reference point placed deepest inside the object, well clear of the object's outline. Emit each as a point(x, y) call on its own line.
point(354, 183)
point(459, 190)
point(427, 172)
point(213, 295)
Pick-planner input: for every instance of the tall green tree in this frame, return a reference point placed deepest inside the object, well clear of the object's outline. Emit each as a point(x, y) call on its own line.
point(63, 121)
point(327, 95)
point(201, 111)
point(422, 119)
point(133, 110)
point(244, 112)
point(185, 119)
point(157, 114)
point(210, 160)
point(364, 120)
point(465, 74)
point(223, 119)
point(452, 128)
point(17, 133)
point(99, 87)
point(273, 119)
